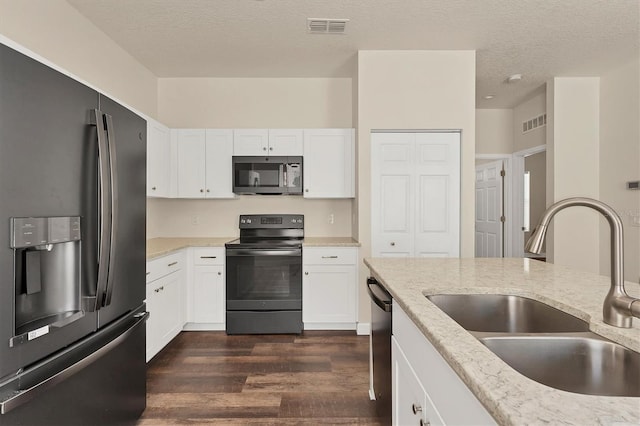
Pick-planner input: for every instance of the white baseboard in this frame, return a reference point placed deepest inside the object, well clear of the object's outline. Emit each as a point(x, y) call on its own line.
point(329, 325)
point(203, 326)
point(364, 329)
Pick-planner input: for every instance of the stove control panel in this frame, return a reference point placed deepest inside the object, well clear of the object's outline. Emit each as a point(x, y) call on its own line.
point(272, 221)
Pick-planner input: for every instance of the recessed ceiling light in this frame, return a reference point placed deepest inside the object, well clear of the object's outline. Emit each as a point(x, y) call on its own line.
point(489, 97)
point(514, 78)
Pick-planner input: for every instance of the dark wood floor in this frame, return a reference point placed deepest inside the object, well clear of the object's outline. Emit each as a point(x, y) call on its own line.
point(212, 378)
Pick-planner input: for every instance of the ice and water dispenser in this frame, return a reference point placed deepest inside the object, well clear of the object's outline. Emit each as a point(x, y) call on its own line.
point(48, 292)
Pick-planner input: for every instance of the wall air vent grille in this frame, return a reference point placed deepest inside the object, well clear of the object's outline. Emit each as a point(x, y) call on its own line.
point(326, 26)
point(534, 123)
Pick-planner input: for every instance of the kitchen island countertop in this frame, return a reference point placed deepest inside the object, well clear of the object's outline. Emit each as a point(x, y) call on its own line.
point(511, 398)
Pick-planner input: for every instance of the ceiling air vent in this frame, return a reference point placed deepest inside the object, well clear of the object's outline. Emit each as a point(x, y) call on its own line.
point(326, 26)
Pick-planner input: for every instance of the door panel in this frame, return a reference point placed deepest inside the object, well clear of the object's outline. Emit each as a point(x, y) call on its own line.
point(191, 163)
point(47, 168)
point(438, 189)
point(489, 227)
point(392, 197)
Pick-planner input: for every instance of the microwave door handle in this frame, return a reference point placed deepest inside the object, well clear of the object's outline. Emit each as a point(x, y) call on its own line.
point(113, 201)
point(104, 211)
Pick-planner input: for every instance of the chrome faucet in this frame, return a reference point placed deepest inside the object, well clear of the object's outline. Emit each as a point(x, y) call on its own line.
point(618, 308)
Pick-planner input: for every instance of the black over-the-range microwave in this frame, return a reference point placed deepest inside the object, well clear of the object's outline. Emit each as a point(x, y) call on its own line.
point(267, 175)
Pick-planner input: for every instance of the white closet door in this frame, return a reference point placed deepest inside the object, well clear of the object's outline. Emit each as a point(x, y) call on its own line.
point(392, 194)
point(488, 229)
point(437, 173)
point(415, 194)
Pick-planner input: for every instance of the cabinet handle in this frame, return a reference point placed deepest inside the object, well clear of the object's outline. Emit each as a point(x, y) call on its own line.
point(173, 263)
point(306, 190)
point(153, 188)
point(306, 273)
point(219, 273)
point(202, 190)
point(416, 408)
point(270, 148)
point(264, 148)
point(392, 244)
point(208, 190)
point(329, 257)
point(157, 290)
point(148, 273)
point(423, 423)
point(208, 257)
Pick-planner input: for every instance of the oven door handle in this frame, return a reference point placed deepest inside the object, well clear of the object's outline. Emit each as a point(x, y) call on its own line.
point(264, 252)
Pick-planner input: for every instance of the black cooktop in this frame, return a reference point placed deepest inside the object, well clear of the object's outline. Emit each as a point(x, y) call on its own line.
point(269, 231)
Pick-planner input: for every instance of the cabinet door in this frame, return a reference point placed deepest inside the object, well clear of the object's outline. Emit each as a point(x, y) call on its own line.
point(285, 142)
point(219, 150)
point(209, 294)
point(165, 313)
point(329, 169)
point(392, 194)
point(250, 142)
point(191, 163)
point(328, 294)
point(411, 404)
point(158, 160)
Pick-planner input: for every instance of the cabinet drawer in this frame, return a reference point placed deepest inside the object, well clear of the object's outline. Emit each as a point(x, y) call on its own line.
point(330, 256)
point(162, 266)
point(208, 256)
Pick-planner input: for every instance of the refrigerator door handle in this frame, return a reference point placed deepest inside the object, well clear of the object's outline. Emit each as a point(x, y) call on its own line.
point(46, 385)
point(113, 177)
point(104, 210)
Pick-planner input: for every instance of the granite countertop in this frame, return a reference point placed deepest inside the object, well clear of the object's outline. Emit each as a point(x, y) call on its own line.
point(157, 247)
point(330, 242)
point(511, 398)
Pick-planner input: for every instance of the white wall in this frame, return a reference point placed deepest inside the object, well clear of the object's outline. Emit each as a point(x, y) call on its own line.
point(59, 33)
point(250, 103)
point(620, 160)
point(494, 131)
point(573, 146)
point(415, 90)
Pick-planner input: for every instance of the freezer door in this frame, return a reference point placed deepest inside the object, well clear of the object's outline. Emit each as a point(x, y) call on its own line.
point(127, 136)
point(47, 169)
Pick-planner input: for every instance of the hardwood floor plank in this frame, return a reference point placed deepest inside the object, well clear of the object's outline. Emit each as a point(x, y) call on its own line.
point(327, 404)
point(306, 382)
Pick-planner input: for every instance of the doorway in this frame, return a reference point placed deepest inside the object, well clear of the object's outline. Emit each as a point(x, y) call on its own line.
point(529, 196)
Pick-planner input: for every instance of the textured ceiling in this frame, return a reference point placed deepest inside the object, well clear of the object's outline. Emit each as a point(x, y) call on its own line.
point(268, 38)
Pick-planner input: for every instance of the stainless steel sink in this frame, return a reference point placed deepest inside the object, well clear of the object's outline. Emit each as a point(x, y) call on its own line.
point(506, 314)
point(587, 365)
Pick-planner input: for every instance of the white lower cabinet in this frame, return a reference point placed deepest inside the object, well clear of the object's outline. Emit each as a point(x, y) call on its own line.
point(425, 383)
point(207, 290)
point(329, 298)
point(165, 289)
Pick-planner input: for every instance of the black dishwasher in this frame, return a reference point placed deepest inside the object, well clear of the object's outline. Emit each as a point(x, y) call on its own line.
point(381, 346)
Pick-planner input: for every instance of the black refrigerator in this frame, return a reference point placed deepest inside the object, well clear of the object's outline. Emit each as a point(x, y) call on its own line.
point(72, 251)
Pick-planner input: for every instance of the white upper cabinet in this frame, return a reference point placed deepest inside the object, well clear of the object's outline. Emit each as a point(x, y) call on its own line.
point(204, 163)
point(260, 142)
point(285, 142)
point(158, 160)
point(219, 150)
point(329, 160)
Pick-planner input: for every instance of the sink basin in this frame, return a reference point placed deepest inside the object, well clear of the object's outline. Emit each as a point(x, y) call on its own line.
point(496, 313)
point(586, 365)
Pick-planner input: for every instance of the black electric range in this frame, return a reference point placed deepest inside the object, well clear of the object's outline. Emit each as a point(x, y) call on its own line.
point(264, 275)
